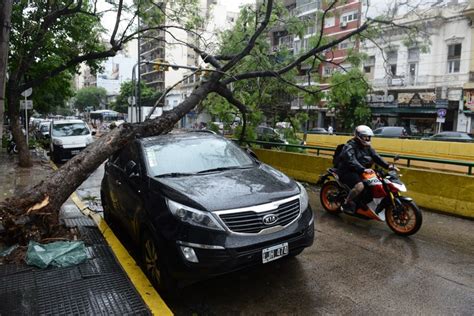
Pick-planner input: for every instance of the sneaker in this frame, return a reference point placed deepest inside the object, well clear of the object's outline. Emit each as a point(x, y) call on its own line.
point(349, 207)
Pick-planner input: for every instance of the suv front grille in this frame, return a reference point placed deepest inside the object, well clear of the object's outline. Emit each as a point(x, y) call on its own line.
point(251, 221)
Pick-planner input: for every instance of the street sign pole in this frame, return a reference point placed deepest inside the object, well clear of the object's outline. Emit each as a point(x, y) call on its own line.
point(26, 121)
point(26, 94)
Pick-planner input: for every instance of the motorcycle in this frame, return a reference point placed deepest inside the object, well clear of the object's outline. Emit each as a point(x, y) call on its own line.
point(11, 145)
point(380, 200)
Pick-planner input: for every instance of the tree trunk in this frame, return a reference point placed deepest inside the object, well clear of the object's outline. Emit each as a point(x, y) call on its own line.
point(41, 203)
point(5, 17)
point(24, 157)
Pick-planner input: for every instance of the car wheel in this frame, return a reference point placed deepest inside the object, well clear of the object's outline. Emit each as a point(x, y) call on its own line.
point(55, 156)
point(154, 266)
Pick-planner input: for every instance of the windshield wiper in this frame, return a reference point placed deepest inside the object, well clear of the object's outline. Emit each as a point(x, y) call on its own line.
point(221, 169)
point(174, 174)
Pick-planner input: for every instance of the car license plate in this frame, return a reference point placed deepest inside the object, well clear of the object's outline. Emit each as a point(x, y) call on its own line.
point(75, 152)
point(274, 252)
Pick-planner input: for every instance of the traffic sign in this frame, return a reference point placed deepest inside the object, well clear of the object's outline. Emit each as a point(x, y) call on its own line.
point(27, 92)
point(441, 113)
point(29, 104)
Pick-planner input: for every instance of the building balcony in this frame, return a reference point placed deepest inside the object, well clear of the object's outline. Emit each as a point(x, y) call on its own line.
point(307, 8)
point(429, 81)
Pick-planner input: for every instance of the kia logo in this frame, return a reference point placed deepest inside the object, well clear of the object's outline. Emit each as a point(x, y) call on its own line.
point(269, 219)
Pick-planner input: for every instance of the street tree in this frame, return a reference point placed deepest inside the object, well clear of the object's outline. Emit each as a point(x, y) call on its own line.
point(127, 90)
point(94, 97)
point(52, 95)
point(34, 213)
point(348, 99)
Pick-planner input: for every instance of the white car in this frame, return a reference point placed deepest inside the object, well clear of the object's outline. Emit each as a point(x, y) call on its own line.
point(68, 138)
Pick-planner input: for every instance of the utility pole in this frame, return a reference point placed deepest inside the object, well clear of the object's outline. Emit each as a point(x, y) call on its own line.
point(5, 18)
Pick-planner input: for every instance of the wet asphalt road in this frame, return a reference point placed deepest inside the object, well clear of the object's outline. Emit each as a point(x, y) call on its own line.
point(354, 267)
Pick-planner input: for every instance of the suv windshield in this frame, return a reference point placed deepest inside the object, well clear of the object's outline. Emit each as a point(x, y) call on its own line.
point(70, 129)
point(187, 156)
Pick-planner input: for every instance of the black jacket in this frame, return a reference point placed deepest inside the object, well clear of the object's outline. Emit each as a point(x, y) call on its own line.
point(356, 158)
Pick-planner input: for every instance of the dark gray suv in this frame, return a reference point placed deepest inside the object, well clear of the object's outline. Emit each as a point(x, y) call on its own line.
point(197, 205)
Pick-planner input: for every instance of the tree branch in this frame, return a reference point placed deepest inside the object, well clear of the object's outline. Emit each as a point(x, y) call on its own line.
point(252, 40)
point(300, 59)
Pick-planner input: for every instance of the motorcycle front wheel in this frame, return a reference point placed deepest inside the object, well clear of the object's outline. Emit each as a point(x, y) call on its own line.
point(330, 197)
point(405, 220)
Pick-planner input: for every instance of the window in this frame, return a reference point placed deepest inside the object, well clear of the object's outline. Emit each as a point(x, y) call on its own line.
point(348, 17)
point(297, 46)
point(393, 69)
point(412, 69)
point(327, 71)
point(329, 21)
point(346, 44)
point(454, 58)
point(413, 54)
point(392, 61)
point(370, 61)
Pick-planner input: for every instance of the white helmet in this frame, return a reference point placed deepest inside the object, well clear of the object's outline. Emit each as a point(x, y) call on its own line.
point(363, 133)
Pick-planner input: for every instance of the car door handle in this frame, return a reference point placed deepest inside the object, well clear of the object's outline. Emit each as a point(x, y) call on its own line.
point(117, 182)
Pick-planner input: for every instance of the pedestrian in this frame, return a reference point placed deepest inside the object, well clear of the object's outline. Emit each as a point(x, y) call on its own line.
point(330, 130)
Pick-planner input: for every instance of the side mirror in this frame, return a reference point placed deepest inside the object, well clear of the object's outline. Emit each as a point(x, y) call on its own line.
point(131, 169)
point(93, 133)
point(251, 153)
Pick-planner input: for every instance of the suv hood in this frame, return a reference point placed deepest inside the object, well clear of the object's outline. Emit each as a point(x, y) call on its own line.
point(231, 188)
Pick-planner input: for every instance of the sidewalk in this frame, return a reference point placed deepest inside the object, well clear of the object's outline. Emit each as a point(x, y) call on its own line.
point(97, 286)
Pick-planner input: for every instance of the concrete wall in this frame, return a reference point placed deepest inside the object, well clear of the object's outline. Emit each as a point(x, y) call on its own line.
point(422, 148)
point(440, 191)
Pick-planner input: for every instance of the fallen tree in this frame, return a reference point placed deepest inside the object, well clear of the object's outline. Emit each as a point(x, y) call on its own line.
point(34, 213)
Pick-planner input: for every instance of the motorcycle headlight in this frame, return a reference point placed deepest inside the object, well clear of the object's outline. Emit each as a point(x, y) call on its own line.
point(57, 142)
point(192, 216)
point(304, 200)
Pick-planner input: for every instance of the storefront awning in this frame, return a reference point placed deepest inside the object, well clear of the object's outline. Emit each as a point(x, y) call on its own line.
point(403, 110)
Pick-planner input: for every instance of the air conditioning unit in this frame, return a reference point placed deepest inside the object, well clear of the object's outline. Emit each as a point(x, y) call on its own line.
point(343, 24)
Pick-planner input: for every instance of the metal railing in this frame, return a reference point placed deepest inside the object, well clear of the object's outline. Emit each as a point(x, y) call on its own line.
point(328, 151)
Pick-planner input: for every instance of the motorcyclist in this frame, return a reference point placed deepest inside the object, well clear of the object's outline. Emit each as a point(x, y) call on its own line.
point(357, 158)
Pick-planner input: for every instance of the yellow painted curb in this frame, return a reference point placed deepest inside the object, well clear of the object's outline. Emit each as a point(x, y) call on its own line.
point(146, 290)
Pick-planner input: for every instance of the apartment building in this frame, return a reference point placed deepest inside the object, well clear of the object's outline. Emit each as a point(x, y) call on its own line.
point(422, 89)
point(219, 15)
point(115, 70)
point(343, 18)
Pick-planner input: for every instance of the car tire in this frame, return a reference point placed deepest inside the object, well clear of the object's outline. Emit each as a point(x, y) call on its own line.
point(55, 157)
point(155, 267)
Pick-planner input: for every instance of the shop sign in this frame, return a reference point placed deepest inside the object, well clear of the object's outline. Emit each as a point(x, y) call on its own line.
point(380, 98)
point(469, 99)
point(417, 98)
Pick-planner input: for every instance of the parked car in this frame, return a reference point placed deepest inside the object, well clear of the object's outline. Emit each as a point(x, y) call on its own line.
point(68, 138)
point(318, 130)
point(268, 134)
point(391, 131)
point(197, 205)
point(42, 132)
point(451, 137)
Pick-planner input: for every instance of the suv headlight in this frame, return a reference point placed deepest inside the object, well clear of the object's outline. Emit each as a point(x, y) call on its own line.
point(57, 142)
point(192, 216)
point(304, 200)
